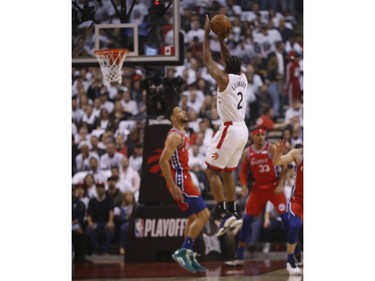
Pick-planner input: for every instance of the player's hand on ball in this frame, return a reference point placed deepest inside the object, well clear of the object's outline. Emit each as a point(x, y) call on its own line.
point(207, 27)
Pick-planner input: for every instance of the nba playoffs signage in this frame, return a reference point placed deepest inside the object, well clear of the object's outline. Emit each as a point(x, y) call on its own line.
point(157, 231)
point(170, 227)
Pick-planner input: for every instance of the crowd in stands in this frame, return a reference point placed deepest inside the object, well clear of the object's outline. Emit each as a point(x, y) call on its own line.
point(108, 119)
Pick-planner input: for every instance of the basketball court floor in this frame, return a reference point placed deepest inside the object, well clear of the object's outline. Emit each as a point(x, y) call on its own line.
point(112, 268)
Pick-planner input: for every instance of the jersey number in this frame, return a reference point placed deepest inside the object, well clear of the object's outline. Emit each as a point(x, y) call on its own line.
point(239, 106)
point(264, 168)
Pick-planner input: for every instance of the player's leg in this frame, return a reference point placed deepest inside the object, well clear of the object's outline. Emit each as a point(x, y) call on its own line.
point(215, 163)
point(221, 213)
point(295, 224)
point(279, 201)
point(195, 229)
point(239, 137)
point(198, 215)
point(254, 206)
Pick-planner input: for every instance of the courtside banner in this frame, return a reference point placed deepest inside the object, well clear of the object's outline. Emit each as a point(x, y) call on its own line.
point(153, 188)
point(155, 232)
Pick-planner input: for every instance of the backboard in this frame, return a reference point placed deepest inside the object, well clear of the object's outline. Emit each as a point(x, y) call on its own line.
point(149, 29)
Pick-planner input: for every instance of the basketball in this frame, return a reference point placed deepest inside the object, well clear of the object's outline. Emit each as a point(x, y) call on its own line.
point(221, 25)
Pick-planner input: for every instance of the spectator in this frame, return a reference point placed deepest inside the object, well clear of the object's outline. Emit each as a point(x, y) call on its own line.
point(286, 32)
point(97, 146)
point(82, 135)
point(77, 112)
point(106, 103)
point(97, 107)
point(120, 144)
point(80, 192)
point(195, 99)
point(82, 159)
point(193, 120)
point(207, 107)
point(75, 152)
point(129, 106)
point(255, 83)
point(129, 178)
point(100, 221)
point(98, 174)
point(89, 184)
point(196, 31)
point(265, 121)
point(104, 122)
point(292, 80)
point(294, 113)
point(266, 39)
point(208, 133)
point(136, 159)
point(89, 117)
point(111, 157)
point(126, 211)
point(78, 228)
point(113, 192)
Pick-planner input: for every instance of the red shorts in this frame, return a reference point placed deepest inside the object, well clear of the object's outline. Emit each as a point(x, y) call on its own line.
point(258, 198)
point(296, 209)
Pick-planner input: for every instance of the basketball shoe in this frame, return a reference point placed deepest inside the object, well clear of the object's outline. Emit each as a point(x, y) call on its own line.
point(182, 257)
point(236, 262)
point(197, 266)
point(226, 221)
point(293, 269)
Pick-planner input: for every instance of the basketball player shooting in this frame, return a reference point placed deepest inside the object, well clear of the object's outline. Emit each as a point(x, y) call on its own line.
point(226, 147)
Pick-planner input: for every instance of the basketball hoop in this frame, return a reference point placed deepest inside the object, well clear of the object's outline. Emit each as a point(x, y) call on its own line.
point(111, 61)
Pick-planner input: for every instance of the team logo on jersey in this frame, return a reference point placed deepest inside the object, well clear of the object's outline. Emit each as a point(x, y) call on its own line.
point(282, 207)
point(215, 155)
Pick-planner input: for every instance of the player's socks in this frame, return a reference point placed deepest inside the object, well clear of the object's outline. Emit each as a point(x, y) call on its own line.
point(230, 206)
point(291, 260)
point(220, 208)
point(188, 243)
point(239, 253)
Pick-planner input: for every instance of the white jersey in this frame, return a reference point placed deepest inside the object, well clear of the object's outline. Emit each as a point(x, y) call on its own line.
point(231, 103)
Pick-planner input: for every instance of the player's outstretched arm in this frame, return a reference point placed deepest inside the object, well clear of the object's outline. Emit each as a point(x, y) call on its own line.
point(212, 67)
point(223, 49)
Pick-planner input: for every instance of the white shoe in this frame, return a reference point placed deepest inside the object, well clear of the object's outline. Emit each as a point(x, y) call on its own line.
point(293, 270)
point(225, 224)
point(235, 262)
point(237, 222)
point(266, 247)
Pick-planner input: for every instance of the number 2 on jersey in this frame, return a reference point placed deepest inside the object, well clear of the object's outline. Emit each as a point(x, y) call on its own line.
point(239, 106)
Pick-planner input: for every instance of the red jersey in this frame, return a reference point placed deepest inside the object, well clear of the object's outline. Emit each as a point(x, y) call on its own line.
point(297, 191)
point(292, 82)
point(262, 168)
point(179, 165)
point(180, 157)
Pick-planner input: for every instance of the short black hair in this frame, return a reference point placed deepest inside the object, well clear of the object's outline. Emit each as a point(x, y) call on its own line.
point(233, 65)
point(169, 111)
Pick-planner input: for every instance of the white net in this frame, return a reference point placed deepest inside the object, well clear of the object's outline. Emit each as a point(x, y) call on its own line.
point(111, 61)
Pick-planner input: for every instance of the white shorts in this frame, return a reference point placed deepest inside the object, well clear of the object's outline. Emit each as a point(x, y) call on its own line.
point(226, 147)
